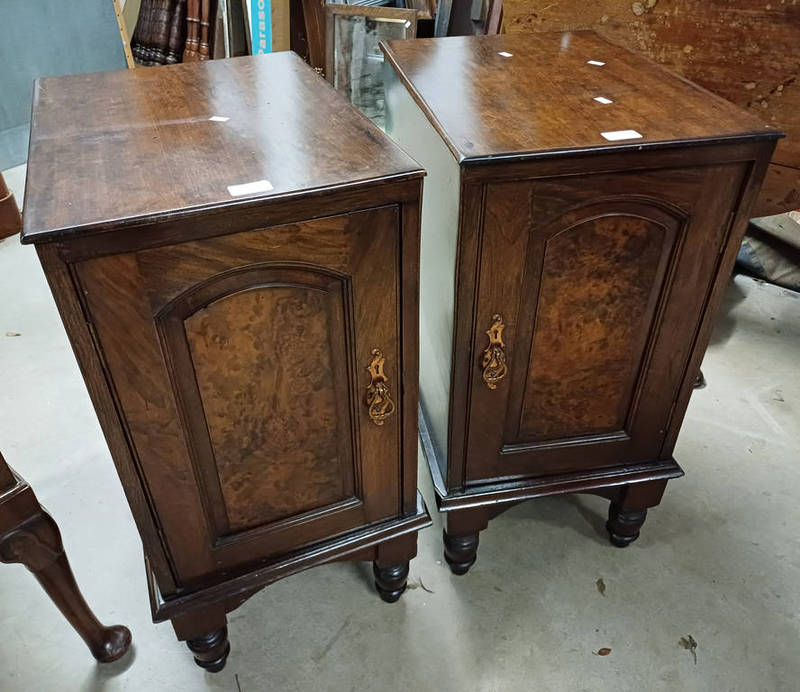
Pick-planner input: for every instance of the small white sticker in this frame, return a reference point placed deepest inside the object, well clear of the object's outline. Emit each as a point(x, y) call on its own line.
point(504, 54)
point(250, 188)
point(621, 134)
point(602, 99)
point(595, 62)
point(218, 119)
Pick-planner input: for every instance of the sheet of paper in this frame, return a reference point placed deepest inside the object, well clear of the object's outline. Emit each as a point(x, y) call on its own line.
point(250, 188)
point(617, 135)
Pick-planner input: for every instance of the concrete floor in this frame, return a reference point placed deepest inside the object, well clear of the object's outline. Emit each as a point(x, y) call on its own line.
point(718, 560)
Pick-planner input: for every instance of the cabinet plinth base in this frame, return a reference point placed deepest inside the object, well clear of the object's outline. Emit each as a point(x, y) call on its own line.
point(631, 491)
point(199, 617)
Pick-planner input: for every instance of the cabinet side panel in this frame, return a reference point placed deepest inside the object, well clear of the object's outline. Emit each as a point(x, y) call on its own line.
point(750, 190)
point(92, 368)
point(406, 123)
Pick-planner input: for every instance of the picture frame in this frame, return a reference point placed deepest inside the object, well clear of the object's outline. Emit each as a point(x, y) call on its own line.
point(426, 9)
point(353, 60)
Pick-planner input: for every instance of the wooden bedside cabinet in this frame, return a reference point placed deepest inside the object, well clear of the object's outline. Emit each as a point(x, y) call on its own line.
point(234, 253)
point(581, 217)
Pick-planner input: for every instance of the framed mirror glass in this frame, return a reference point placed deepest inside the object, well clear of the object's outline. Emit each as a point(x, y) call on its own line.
point(354, 62)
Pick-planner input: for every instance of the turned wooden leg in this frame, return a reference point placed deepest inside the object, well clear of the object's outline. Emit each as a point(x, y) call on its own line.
point(460, 551)
point(206, 634)
point(628, 510)
point(29, 536)
point(623, 525)
point(461, 537)
point(390, 580)
point(391, 566)
point(211, 650)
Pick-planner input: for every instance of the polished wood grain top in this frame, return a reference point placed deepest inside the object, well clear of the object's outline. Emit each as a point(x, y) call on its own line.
point(119, 148)
point(522, 96)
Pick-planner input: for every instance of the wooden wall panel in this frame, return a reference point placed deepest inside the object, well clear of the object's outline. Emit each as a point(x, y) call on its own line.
point(747, 51)
point(781, 190)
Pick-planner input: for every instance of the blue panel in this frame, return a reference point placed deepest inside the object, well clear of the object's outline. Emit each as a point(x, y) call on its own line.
point(41, 38)
point(261, 26)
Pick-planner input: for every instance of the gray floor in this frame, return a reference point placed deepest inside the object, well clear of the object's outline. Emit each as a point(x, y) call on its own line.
point(718, 560)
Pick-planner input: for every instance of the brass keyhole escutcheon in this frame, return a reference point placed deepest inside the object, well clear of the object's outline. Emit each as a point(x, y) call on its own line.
point(494, 355)
point(378, 399)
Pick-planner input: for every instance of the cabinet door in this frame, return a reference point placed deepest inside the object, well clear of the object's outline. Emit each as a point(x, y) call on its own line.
point(240, 364)
point(589, 297)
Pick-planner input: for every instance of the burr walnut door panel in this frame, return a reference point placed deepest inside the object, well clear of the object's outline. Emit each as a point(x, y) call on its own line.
point(240, 364)
point(589, 297)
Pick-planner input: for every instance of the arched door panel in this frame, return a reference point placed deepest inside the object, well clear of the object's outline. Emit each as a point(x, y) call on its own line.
point(583, 287)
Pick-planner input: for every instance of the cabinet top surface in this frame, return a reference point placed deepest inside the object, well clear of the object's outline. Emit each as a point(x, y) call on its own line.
point(517, 95)
point(116, 148)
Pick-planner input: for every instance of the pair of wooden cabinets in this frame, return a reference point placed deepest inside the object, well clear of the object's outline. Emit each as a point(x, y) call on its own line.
point(236, 257)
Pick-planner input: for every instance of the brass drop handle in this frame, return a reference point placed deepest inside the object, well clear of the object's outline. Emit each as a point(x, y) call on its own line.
point(494, 355)
point(379, 401)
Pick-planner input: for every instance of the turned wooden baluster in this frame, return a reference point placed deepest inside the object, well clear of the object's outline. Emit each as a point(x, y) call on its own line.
point(204, 49)
point(198, 31)
point(29, 536)
point(190, 53)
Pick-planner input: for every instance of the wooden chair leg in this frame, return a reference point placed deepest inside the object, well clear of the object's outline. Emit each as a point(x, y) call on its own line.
point(29, 536)
point(10, 219)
